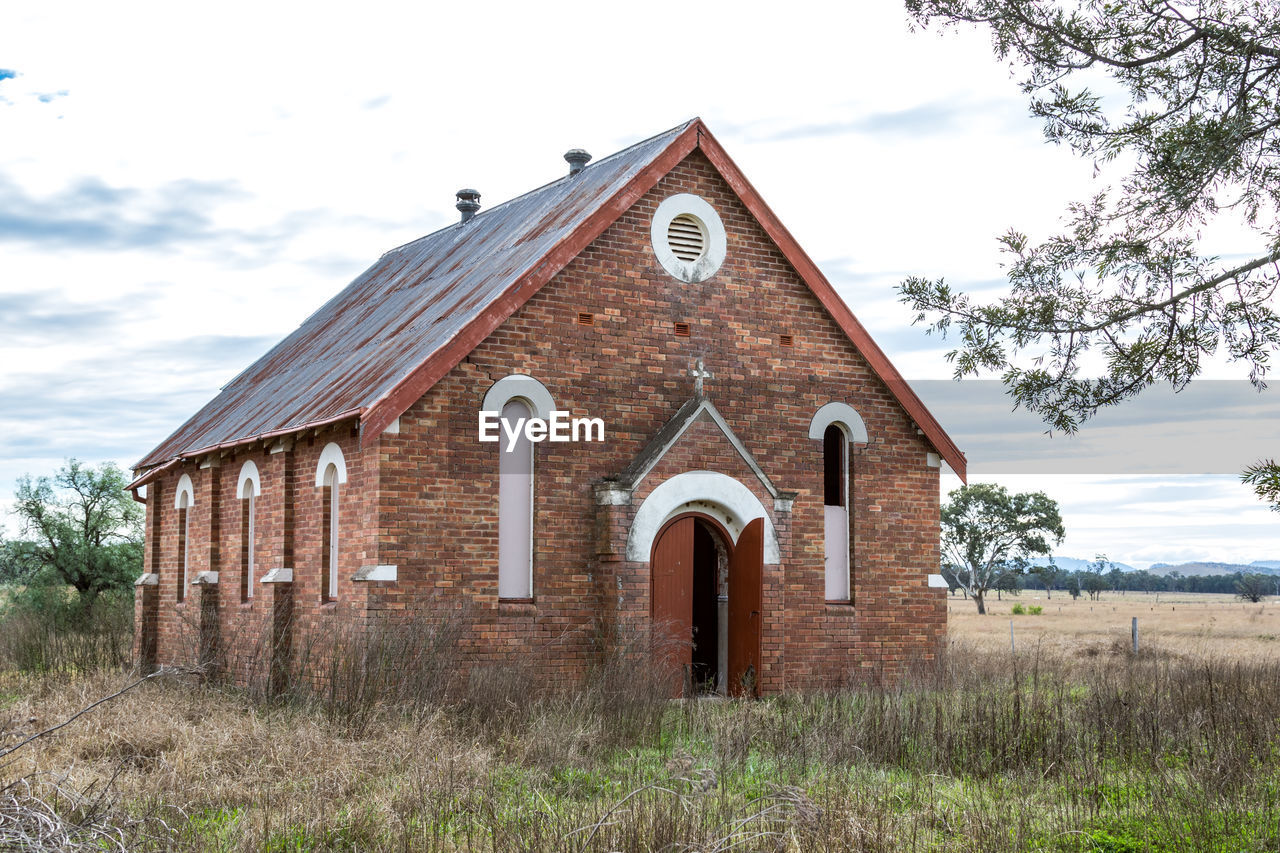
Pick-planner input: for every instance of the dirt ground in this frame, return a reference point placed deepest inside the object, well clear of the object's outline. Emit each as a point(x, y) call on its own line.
point(1203, 624)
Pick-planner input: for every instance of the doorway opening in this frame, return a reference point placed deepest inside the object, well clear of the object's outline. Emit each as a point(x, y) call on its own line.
point(710, 623)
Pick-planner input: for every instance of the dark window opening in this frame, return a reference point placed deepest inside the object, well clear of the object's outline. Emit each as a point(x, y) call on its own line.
point(326, 554)
point(706, 611)
point(182, 554)
point(834, 468)
point(246, 548)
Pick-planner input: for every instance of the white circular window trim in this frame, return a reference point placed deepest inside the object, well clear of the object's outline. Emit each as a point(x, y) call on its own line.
point(717, 243)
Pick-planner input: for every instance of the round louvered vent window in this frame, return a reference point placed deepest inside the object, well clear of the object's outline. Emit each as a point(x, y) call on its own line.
point(688, 237)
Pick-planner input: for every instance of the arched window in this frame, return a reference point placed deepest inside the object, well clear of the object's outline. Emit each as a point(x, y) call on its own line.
point(184, 500)
point(329, 555)
point(838, 425)
point(835, 508)
point(331, 474)
point(515, 506)
point(248, 491)
point(515, 397)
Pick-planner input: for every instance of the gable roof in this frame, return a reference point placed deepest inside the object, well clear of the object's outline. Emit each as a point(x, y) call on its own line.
point(666, 437)
point(371, 351)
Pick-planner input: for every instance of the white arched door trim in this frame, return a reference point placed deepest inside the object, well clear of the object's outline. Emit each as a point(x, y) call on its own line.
point(718, 495)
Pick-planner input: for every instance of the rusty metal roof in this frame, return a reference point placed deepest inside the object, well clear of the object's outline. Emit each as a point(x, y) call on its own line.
point(381, 343)
point(416, 299)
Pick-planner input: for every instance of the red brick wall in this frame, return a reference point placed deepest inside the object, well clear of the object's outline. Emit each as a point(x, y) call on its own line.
point(243, 625)
point(426, 499)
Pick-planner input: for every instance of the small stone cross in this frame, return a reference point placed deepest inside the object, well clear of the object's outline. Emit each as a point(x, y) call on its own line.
point(699, 373)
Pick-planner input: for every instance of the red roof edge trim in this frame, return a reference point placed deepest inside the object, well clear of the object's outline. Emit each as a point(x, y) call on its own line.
point(262, 436)
point(831, 300)
point(404, 394)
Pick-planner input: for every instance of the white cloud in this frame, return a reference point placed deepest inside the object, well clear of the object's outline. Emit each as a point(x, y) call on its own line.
point(259, 156)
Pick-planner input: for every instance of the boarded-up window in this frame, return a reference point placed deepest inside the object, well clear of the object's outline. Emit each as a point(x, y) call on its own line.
point(835, 513)
point(515, 505)
point(184, 521)
point(329, 526)
point(247, 544)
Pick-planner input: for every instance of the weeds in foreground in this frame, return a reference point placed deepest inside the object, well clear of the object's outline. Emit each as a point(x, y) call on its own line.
point(1038, 752)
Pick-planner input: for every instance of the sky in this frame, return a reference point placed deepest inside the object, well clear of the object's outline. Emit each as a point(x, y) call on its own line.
point(180, 186)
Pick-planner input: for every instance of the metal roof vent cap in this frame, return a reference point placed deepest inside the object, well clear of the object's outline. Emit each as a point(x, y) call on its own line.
point(578, 160)
point(468, 203)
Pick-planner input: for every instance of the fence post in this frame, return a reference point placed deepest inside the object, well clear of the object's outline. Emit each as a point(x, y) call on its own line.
point(1012, 647)
point(1134, 631)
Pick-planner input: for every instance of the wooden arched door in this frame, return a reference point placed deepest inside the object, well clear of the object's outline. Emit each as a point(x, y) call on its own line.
point(746, 617)
point(672, 574)
point(671, 567)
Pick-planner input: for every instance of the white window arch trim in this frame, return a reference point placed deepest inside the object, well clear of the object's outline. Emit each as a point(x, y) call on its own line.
point(249, 474)
point(185, 489)
point(523, 387)
point(331, 455)
point(706, 265)
point(843, 415)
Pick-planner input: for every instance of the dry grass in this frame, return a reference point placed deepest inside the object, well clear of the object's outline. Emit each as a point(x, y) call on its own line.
point(1054, 749)
point(1189, 624)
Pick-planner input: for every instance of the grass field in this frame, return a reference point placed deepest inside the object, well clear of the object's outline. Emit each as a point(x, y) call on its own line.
point(1187, 623)
point(1069, 745)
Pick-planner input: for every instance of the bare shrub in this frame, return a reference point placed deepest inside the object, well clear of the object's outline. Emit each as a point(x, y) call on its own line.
point(408, 661)
point(44, 813)
point(52, 630)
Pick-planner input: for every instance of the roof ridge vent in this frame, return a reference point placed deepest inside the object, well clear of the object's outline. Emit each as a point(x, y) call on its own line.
point(468, 203)
point(578, 160)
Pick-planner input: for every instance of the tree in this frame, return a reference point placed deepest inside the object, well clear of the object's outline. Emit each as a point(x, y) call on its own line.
point(952, 582)
point(1073, 586)
point(1129, 280)
point(986, 530)
point(1094, 582)
point(1255, 587)
point(16, 564)
point(1046, 574)
point(81, 527)
point(1007, 581)
point(1265, 479)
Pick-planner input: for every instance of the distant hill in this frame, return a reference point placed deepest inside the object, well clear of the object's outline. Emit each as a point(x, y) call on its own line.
point(1075, 564)
point(1200, 569)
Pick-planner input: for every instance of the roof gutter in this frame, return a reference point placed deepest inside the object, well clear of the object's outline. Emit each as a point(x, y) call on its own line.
point(155, 472)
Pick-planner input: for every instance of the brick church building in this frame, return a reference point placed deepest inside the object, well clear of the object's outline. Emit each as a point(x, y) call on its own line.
point(751, 475)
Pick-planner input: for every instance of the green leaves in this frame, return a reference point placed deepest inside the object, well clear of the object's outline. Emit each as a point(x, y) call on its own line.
point(1265, 479)
point(1127, 284)
point(988, 532)
point(81, 527)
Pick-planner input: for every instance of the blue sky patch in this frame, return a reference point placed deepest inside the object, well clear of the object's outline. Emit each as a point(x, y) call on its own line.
point(7, 74)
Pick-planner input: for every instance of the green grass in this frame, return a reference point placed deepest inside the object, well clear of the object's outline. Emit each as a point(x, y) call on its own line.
point(990, 753)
